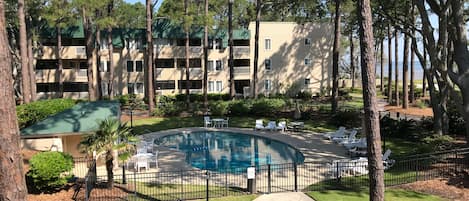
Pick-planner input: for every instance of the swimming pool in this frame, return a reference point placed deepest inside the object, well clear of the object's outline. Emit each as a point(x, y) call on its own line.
point(216, 150)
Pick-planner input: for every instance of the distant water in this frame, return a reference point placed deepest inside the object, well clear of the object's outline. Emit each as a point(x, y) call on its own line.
point(418, 71)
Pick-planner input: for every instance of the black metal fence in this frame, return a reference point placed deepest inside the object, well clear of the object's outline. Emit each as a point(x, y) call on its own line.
point(311, 176)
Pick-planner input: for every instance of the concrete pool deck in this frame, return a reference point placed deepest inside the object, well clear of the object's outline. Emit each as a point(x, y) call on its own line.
point(313, 147)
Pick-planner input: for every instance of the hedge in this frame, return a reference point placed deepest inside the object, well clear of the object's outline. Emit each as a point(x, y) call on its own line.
point(30, 113)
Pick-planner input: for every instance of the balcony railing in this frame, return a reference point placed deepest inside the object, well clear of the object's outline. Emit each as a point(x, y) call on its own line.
point(242, 70)
point(195, 49)
point(241, 49)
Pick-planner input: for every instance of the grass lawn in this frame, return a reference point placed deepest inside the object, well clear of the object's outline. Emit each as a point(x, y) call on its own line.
point(234, 198)
point(390, 195)
point(142, 126)
point(152, 191)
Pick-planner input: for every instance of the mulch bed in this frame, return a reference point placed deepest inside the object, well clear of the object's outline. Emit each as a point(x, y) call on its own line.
point(455, 188)
point(415, 111)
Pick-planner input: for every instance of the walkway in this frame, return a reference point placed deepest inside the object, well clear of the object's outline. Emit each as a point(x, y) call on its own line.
point(292, 196)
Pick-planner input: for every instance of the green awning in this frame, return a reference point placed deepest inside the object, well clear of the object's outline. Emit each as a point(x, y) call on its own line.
point(81, 118)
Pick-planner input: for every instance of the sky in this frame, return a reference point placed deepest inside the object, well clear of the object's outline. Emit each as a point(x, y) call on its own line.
point(143, 2)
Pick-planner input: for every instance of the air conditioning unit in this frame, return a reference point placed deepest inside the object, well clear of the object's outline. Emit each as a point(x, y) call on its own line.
point(81, 51)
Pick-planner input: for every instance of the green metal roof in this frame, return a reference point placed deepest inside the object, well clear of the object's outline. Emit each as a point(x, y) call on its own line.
point(81, 118)
point(75, 31)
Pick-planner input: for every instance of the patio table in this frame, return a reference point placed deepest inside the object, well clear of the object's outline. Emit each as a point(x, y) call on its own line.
point(217, 123)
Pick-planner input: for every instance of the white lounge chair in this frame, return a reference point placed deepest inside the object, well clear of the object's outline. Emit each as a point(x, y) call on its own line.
point(271, 126)
point(282, 126)
point(207, 121)
point(142, 163)
point(387, 162)
point(361, 143)
point(345, 138)
point(259, 125)
point(339, 133)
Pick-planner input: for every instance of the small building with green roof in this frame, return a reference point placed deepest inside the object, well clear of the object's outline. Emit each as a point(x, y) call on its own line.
point(63, 131)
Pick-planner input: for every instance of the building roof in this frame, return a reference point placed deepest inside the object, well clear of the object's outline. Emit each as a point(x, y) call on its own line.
point(80, 119)
point(162, 28)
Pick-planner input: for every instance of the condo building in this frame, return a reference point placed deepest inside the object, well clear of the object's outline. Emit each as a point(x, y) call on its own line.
point(291, 57)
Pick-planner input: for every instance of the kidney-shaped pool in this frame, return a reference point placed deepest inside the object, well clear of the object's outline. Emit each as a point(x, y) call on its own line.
point(217, 150)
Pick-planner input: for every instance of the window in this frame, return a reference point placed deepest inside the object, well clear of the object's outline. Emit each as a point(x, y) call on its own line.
point(82, 72)
point(241, 63)
point(134, 44)
point(104, 88)
point(268, 64)
point(104, 44)
point(164, 63)
point(267, 85)
point(268, 44)
point(195, 42)
point(165, 84)
point(193, 63)
point(307, 81)
point(130, 66)
point(135, 88)
point(46, 64)
point(307, 41)
point(307, 61)
point(47, 87)
point(241, 42)
point(104, 66)
point(139, 66)
point(219, 86)
point(211, 86)
point(219, 65)
point(193, 84)
point(75, 87)
point(210, 66)
point(215, 44)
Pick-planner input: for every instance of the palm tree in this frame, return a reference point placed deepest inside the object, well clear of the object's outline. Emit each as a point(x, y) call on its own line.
point(111, 136)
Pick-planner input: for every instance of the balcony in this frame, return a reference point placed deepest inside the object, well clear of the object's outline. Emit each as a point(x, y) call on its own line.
point(241, 50)
point(67, 52)
point(196, 50)
point(242, 70)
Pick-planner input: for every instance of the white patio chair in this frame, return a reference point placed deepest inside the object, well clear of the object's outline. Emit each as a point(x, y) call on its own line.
point(339, 133)
point(282, 126)
point(225, 122)
point(259, 125)
point(361, 143)
point(271, 126)
point(142, 163)
point(207, 121)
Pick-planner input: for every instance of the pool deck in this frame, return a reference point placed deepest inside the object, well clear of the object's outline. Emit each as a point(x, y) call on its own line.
point(313, 147)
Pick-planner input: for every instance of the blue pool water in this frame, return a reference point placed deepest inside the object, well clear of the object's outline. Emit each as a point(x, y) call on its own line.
point(222, 150)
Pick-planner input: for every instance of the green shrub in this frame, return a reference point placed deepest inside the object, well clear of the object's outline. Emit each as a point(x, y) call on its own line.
point(48, 170)
point(123, 99)
point(31, 113)
point(267, 107)
point(219, 108)
point(241, 107)
point(347, 118)
point(304, 95)
point(436, 143)
point(421, 104)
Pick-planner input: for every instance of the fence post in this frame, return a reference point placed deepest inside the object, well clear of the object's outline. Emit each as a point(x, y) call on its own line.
point(135, 184)
point(417, 170)
point(226, 182)
point(182, 185)
point(269, 185)
point(337, 171)
point(295, 167)
point(207, 175)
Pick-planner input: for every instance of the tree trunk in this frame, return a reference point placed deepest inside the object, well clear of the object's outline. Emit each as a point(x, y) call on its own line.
point(335, 58)
point(372, 130)
point(111, 56)
point(412, 58)
point(12, 182)
point(186, 29)
point(89, 55)
point(424, 79)
point(151, 91)
point(32, 72)
point(25, 74)
point(405, 73)
point(381, 64)
point(98, 60)
point(352, 58)
point(206, 56)
point(109, 169)
point(231, 57)
point(389, 89)
point(256, 49)
point(461, 57)
point(59, 72)
point(396, 73)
